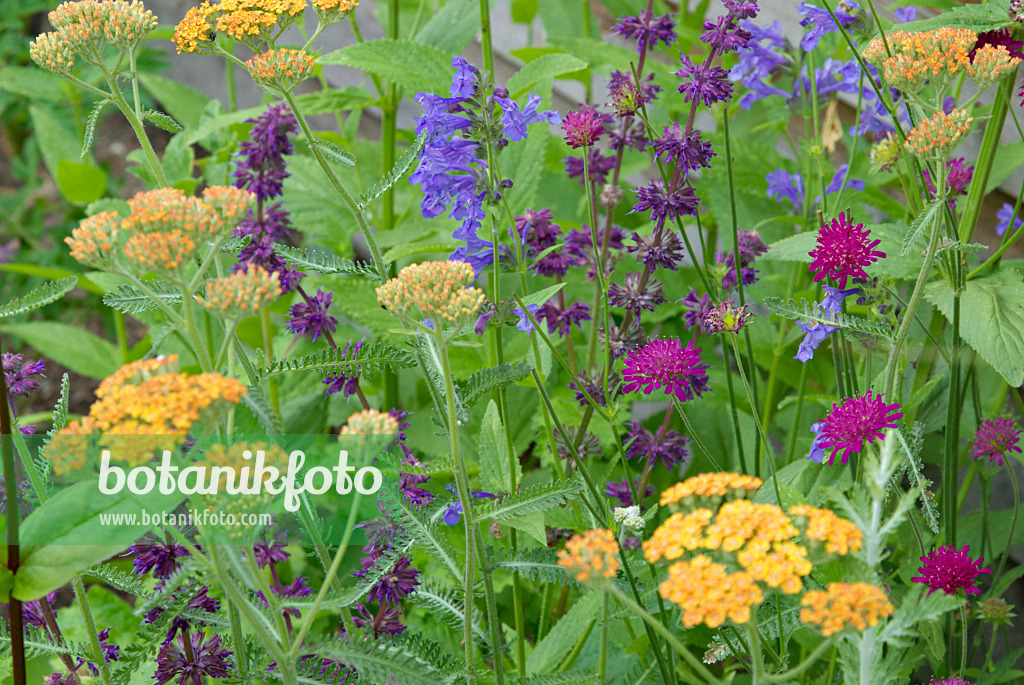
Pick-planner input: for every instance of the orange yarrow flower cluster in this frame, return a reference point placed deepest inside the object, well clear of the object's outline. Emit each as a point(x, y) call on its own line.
point(842, 605)
point(145, 398)
point(282, 68)
point(590, 557)
point(936, 138)
point(991, 63)
point(332, 11)
point(160, 251)
point(921, 57)
point(94, 241)
point(710, 486)
point(440, 291)
point(83, 27)
point(707, 593)
point(248, 21)
point(241, 293)
point(822, 525)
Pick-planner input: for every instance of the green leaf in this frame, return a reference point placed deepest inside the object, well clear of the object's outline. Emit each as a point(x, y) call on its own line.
point(921, 225)
point(57, 139)
point(261, 408)
point(321, 261)
point(333, 152)
point(66, 536)
point(595, 52)
point(412, 66)
point(1007, 161)
point(403, 660)
point(90, 125)
point(538, 564)
point(369, 360)
point(795, 248)
point(410, 249)
point(549, 652)
point(486, 380)
point(493, 453)
point(991, 319)
point(80, 183)
point(32, 82)
point(398, 171)
point(419, 524)
point(524, 11)
point(38, 297)
point(178, 159)
point(532, 525)
point(77, 349)
point(162, 120)
point(978, 18)
point(811, 312)
point(184, 103)
point(535, 499)
point(450, 29)
point(542, 296)
point(444, 600)
point(541, 69)
point(127, 299)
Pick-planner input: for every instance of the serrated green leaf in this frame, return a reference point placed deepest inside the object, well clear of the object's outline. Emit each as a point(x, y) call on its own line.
point(540, 69)
point(128, 299)
point(538, 564)
point(989, 16)
point(261, 408)
point(80, 183)
point(991, 319)
point(805, 311)
point(184, 103)
point(535, 499)
point(90, 125)
point(321, 261)
point(162, 120)
point(333, 152)
point(450, 30)
point(418, 524)
point(410, 249)
point(921, 225)
point(493, 453)
point(76, 348)
point(368, 360)
point(795, 248)
point(542, 296)
point(401, 659)
point(486, 380)
point(401, 166)
point(38, 297)
point(32, 82)
point(549, 652)
point(412, 66)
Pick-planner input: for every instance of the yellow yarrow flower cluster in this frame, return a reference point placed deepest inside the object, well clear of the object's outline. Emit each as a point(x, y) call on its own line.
point(145, 398)
point(750, 544)
point(85, 26)
point(282, 68)
point(936, 138)
point(845, 605)
point(253, 22)
point(918, 58)
point(332, 11)
point(241, 293)
point(590, 557)
point(440, 291)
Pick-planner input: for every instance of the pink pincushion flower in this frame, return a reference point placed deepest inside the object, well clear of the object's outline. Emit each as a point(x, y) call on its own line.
point(843, 250)
point(856, 421)
point(994, 438)
point(665, 364)
point(952, 680)
point(950, 569)
point(582, 128)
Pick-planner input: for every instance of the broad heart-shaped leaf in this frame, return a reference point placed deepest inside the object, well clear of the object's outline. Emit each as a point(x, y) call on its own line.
point(80, 183)
point(67, 535)
point(413, 66)
point(795, 248)
point(991, 319)
point(493, 453)
point(542, 68)
point(79, 350)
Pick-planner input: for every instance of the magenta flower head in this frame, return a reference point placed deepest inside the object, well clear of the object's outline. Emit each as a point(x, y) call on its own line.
point(950, 569)
point(994, 438)
point(582, 128)
point(952, 680)
point(843, 251)
point(665, 364)
point(856, 421)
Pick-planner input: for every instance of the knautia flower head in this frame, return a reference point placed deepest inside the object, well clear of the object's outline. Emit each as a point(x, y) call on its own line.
point(857, 421)
point(996, 610)
point(837, 535)
point(241, 293)
point(843, 250)
point(94, 242)
point(950, 569)
point(845, 605)
point(582, 127)
point(635, 295)
point(990, 64)
point(161, 252)
point(590, 557)
point(664, 364)
point(647, 30)
point(282, 68)
point(709, 489)
point(952, 680)
point(726, 318)
point(1017, 11)
point(666, 205)
point(994, 438)
point(666, 445)
point(440, 291)
point(333, 11)
point(707, 593)
point(918, 58)
point(935, 139)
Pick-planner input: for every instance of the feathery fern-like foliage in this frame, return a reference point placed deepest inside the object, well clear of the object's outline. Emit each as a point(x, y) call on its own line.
point(920, 225)
point(261, 408)
point(579, 676)
point(385, 184)
point(351, 595)
point(444, 600)
point(38, 643)
point(485, 380)
point(333, 152)
point(119, 580)
point(538, 564)
point(161, 120)
point(322, 262)
point(128, 299)
point(48, 292)
point(420, 527)
point(403, 658)
point(528, 501)
point(90, 125)
point(369, 360)
point(810, 312)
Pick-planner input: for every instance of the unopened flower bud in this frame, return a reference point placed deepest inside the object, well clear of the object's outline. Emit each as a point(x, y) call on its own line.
point(935, 138)
point(282, 68)
point(505, 183)
point(159, 251)
point(241, 293)
point(500, 91)
point(94, 241)
point(611, 195)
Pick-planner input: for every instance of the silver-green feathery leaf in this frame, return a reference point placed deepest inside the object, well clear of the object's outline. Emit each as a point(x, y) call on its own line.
point(322, 262)
point(401, 166)
point(48, 292)
point(810, 312)
point(128, 299)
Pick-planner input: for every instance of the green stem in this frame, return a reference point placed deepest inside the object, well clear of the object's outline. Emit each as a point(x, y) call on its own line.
point(90, 629)
point(756, 660)
point(949, 468)
point(339, 187)
point(1013, 523)
point(811, 660)
point(989, 147)
point(693, 434)
point(757, 420)
point(797, 412)
point(238, 639)
point(734, 412)
point(963, 638)
point(136, 124)
point(485, 37)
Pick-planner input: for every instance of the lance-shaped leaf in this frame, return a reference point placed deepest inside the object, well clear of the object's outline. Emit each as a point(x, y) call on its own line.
point(529, 501)
point(486, 380)
point(539, 564)
point(402, 659)
point(810, 312)
point(39, 297)
point(419, 526)
point(368, 360)
point(385, 183)
point(333, 152)
point(444, 600)
point(321, 262)
point(128, 299)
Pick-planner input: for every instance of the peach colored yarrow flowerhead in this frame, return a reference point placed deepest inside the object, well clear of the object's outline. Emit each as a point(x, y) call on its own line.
point(442, 292)
point(169, 209)
point(710, 487)
point(241, 293)
point(837, 535)
point(282, 68)
point(253, 22)
point(160, 252)
point(85, 26)
point(590, 557)
point(370, 422)
point(919, 58)
point(991, 63)
point(845, 605)
point(935, 139)
point(333, 11)
point(94, 242)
